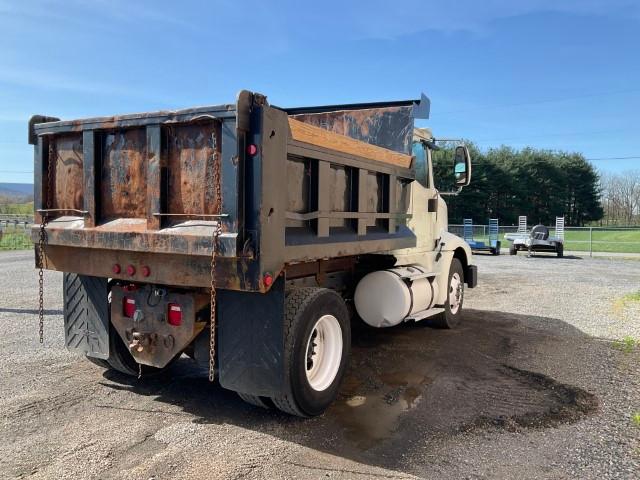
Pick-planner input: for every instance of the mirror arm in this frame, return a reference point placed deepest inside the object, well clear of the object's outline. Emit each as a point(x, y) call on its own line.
point(431, 145)
point(454, 193)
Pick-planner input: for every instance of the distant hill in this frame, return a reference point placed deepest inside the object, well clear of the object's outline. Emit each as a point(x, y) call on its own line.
point(19, 191)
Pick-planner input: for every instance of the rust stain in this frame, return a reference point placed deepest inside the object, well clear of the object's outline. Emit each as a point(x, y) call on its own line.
point(124, 174)
point(192, 149)
point(387, 127)
point(68, 175)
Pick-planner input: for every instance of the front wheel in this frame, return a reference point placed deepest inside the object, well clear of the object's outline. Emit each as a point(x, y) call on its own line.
point(317, 346)
point(450, 318)
point(560, 250)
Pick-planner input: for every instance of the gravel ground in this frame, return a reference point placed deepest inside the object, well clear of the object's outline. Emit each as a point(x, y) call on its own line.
point(532, 385)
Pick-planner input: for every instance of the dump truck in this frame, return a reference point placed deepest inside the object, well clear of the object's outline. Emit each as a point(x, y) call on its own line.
point(247, 237)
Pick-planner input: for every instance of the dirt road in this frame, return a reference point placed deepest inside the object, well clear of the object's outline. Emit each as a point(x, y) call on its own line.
point(530, 386)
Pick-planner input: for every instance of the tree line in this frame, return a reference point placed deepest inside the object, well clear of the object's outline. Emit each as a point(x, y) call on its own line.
point(620, 194)
point(507, 183)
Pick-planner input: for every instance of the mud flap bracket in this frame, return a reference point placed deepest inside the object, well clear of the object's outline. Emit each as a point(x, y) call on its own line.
point(251, 340)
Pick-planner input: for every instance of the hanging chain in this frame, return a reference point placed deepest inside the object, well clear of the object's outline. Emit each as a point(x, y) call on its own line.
point(41, 242)
point(42, 239)
point(217, 230)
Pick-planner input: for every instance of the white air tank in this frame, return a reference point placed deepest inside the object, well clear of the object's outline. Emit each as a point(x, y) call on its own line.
point(387, 297)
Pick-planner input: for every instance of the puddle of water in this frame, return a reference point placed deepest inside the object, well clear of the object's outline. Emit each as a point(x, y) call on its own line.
point(371, 417)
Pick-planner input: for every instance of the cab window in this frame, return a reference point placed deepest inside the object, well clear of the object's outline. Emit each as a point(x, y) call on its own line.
point(421, 163)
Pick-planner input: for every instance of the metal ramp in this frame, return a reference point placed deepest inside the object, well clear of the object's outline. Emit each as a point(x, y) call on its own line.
point(467, 230)
point(493, 246)
point(522, 224)
point(560, 228)
point(493, 232)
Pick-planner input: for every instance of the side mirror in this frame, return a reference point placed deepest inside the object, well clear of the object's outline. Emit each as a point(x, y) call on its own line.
point(462, 166)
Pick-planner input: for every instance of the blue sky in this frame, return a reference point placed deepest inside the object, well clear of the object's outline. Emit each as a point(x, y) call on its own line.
point(549, 74)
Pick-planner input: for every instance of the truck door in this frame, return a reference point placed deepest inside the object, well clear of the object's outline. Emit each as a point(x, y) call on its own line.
point(424, 199)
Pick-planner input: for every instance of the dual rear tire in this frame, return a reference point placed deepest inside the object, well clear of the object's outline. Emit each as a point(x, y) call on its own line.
point(317, 344)
point(317, 347)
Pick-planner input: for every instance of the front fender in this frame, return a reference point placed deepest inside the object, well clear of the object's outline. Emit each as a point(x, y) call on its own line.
point(461, 250)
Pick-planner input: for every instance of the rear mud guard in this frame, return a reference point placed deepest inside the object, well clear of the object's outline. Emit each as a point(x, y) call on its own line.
point(251, 340)
point(86, 315)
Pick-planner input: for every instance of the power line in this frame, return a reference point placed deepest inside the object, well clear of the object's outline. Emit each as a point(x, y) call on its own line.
point(611, 158)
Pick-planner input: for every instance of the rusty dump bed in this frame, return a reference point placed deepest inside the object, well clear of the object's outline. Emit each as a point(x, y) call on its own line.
point(296, 186)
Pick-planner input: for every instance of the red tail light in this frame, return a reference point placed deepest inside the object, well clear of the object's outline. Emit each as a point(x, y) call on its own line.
point(128, 307)
point(252, 149)
point(174, 315)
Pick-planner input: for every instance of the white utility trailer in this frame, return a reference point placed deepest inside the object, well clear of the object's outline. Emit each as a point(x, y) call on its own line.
point(537, 239)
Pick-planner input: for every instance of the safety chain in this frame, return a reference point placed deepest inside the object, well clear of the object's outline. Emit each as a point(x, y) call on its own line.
point(217, 230)
point(42, 239)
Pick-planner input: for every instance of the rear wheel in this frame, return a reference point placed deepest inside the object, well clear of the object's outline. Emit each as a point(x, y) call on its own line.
point(450, 318)
point(317, 346)
point(254, 400)
point(513, 250)
point(560, 250)
point(98, 361)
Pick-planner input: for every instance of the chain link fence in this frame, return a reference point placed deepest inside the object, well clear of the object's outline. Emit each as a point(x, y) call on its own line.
point(15, 232)
point(579, 239)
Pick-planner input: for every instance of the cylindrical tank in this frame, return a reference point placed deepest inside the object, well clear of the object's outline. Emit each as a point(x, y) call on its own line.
point(386, 297)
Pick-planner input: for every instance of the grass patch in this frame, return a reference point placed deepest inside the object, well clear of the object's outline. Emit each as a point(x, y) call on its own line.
point(15, 241)
point(627, 344)
point(609, 241)
point(17, 208)
point(623, 302)
point(635, 418)
point(632, 297)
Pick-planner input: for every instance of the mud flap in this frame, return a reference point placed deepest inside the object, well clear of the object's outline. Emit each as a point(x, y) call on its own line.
point(251, 341)
point(86, 315)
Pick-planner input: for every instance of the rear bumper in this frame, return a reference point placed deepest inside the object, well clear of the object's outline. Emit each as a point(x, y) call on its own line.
point(471, 276)
point(164, 269)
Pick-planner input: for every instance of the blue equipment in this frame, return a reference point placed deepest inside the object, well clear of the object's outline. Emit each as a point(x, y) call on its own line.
point(477, 246)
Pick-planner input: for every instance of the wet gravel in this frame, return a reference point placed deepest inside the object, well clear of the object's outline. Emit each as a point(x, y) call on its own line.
point(533, 385)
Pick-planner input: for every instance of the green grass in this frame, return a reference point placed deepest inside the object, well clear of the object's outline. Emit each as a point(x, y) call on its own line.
point(17, 208)
point(632, 297)
point(626, 345)
point(610, 241)
point(19, 240)
point(635, 418)
point(621, 241)
point(14, 237)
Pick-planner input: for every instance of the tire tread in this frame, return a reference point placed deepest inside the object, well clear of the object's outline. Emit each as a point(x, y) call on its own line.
point(253, 400)
point(295, 302)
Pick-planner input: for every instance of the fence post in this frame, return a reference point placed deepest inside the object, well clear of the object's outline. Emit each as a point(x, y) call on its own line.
point(591, 241)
